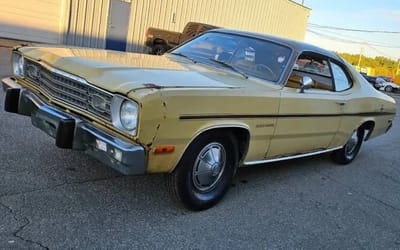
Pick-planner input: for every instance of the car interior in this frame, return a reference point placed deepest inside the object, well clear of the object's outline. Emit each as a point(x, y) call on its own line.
point(315, 68)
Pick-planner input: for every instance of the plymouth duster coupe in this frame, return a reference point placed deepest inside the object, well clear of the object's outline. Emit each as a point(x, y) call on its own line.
point(222, 100)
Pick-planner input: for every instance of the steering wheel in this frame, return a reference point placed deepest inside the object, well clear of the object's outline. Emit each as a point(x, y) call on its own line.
point(265, 70)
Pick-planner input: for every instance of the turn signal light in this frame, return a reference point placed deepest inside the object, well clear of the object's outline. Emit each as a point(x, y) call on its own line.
point(164, 149)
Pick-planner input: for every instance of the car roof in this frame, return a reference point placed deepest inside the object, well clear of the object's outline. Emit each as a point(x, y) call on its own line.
point(295, 45)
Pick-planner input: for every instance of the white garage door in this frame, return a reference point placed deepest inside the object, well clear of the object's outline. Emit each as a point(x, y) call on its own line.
point(32, 20)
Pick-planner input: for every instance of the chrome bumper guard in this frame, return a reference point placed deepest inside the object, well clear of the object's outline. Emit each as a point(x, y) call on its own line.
point(74, 133)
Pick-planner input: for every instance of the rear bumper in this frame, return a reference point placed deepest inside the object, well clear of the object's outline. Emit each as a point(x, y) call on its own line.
point(72, 132)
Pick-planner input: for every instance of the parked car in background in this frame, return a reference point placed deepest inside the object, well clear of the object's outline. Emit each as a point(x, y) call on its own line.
point(386, 78)
point(160, 40)
point(370, 79)
point(222, 100)
point(375, 81)
point(389, 87)
point(379, 82)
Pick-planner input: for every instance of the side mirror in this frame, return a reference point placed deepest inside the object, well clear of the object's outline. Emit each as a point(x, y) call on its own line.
point(306, 83)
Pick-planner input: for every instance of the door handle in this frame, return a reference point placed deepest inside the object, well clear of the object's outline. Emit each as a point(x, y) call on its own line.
point(341, 103)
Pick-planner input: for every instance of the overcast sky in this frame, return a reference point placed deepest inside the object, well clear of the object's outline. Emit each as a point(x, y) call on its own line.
point(371, 15)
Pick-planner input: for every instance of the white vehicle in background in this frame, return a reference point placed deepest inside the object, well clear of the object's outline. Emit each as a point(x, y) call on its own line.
point(387, 86)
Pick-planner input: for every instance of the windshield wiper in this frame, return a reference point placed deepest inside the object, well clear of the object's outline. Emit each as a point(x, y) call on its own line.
point(183, 55)
point(227, 65)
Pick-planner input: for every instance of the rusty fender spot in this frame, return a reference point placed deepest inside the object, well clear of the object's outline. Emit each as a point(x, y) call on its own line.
point(155, 136)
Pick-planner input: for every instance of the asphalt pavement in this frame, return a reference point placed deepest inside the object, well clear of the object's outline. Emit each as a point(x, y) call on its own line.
point(58, 199)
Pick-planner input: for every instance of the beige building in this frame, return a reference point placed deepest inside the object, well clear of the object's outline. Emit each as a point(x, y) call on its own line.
point(99, 23)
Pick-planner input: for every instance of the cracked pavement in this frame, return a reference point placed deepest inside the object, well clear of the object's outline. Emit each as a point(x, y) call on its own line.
point(56, 199)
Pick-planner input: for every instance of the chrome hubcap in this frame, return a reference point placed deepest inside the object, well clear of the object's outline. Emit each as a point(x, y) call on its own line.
point(209, 166)
point(351, 144)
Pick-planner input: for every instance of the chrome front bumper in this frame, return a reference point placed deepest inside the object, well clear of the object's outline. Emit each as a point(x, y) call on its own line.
point(74, 133)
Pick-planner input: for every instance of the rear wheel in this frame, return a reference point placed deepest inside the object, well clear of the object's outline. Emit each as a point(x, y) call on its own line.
point(350, 150)
point(205, 171)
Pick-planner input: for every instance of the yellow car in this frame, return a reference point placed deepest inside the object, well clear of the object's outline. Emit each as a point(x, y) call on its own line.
point(222, 100)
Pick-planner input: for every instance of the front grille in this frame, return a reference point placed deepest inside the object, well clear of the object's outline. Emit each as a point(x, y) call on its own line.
point(71, 91)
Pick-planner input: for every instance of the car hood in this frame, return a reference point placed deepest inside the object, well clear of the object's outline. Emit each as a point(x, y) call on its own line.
point(122, 72)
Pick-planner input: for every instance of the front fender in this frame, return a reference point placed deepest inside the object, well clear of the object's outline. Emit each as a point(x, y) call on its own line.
point(181, 135)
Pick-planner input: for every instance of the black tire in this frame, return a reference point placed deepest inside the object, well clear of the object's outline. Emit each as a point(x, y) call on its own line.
point(159, 49)
point(350, 150)
point(388, 88)
point(186, 182)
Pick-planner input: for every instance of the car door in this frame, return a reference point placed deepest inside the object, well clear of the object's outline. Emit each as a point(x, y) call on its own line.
point(308, 120)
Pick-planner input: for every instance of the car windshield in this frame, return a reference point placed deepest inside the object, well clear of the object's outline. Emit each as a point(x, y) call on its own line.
point(244, 55)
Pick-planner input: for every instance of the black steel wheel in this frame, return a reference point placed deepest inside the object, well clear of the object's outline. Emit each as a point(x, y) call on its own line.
point(205, 171)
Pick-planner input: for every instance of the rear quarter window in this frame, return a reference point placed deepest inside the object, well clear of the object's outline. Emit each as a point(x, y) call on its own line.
point(342, 81)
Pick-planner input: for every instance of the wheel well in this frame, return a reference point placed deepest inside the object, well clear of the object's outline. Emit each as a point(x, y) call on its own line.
point(241, 135)
point(159, 42)
point(243, 138)
point(368, 126)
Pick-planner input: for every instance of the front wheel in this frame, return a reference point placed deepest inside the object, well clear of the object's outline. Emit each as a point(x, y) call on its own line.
point(205, 171)
point(350, 150)
point(159, 49)
point(388, 88)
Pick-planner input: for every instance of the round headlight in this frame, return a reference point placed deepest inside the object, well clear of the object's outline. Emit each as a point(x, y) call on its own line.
point(18, 64)
point(128, 115)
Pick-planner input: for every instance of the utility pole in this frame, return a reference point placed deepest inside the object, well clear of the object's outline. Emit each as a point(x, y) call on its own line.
point(359, 59)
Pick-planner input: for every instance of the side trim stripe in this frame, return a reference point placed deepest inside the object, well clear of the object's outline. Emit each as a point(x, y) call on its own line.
point(250, 163)
point(223, 116)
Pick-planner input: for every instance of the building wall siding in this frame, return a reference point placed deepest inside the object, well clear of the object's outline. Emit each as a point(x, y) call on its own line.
point(87, 26)
point(85, 22)
point(32, 20)
point(278, 17)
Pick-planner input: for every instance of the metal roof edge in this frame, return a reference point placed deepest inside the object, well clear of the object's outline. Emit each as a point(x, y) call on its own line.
point(305, 7)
